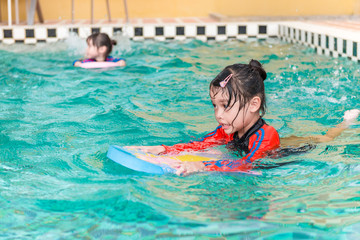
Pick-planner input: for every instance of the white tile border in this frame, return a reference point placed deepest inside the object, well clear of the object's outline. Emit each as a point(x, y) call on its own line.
point(84, 32)
point(212, 30)
point(231, 29)
point(149, 31)
point(19, 33)
point(30, 41)
point(9, 41)
point(40, 33)
point(190, 30)
point(108, 30)
point(62, 33)
point(169, 31)
point(325, 39)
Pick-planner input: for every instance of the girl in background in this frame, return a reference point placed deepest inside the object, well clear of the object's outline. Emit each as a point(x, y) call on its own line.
point(98, 50)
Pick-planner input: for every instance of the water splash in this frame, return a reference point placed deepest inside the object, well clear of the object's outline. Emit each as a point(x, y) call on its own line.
point(75, 44)
point(123, 42)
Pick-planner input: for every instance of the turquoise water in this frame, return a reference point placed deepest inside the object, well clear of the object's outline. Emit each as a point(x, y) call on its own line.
point(57, 122)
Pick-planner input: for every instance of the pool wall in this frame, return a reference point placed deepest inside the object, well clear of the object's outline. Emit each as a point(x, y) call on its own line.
point(335, 39)
point(178, 29)
point(330, 41)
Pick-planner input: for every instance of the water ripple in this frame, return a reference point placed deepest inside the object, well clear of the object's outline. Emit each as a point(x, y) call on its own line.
point(57, 122)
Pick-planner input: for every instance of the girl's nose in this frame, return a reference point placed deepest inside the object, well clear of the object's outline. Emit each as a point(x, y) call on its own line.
point(219, 114)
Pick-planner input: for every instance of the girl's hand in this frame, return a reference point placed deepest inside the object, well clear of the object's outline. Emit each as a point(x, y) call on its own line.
point(150, 149)
point(121, 63)
point(350, 116)
point(77, 64)
point(182, 168)
point(186, 168)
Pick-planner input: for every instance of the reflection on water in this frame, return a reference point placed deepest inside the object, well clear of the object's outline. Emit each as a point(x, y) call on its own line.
point(57, 123)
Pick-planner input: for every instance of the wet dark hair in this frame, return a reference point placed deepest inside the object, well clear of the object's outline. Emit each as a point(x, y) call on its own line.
point(101, 39)
point(246, 82)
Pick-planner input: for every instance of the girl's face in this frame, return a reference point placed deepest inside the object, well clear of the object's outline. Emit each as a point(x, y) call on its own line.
point(229, 117)
point(92, 51)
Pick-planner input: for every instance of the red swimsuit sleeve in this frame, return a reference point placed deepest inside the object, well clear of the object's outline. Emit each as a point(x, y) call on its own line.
point(263, 141)
point(215, 138)
point(88, 60)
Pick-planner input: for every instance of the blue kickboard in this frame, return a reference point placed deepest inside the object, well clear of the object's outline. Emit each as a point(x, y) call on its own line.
point(127, 159)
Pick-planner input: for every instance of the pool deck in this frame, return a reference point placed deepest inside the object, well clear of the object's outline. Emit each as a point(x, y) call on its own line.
point(337, 37)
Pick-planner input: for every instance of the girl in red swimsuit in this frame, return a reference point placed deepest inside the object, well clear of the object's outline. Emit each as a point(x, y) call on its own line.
point(238, 97)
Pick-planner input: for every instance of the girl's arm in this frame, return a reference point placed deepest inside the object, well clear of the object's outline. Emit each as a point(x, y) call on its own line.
point(260, 144)
point(349, 117)
point(240, 165)
point(215, 138)
point(119, 61)
point(77, 63)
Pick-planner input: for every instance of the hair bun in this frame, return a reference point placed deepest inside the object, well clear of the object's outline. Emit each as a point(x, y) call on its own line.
point(256, 65)
point(113, 42)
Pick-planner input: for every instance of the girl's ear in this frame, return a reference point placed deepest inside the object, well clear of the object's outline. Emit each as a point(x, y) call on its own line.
point(102, 49)
point(255, 103)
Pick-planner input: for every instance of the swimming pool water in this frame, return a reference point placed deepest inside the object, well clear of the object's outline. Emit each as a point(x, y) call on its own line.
point(57, 122)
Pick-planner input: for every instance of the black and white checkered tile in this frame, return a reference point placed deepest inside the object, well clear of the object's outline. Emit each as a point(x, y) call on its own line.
point(327, 43)
point(205, 32)
point(324, 41)
point(201, 31)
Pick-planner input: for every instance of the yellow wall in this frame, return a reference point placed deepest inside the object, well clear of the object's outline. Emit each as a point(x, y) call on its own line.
point(286, 7)
point(170, 8)
point(61, 10)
